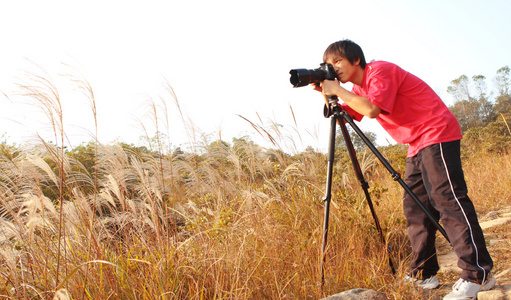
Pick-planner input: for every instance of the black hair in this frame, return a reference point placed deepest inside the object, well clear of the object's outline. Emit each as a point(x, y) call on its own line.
point(347, 49)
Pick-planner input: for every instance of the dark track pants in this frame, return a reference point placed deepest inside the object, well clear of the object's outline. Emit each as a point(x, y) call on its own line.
point(436, 177)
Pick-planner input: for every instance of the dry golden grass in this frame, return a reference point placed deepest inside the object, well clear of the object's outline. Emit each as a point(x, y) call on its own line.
point(227, 221)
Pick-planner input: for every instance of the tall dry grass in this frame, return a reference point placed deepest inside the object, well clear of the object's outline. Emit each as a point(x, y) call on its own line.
point(224, 221)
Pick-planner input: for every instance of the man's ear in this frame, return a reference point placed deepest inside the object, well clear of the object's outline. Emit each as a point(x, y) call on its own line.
point(356, 62)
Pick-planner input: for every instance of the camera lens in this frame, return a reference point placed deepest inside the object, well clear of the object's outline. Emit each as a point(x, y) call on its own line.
point(299, 77)
point(303, 77)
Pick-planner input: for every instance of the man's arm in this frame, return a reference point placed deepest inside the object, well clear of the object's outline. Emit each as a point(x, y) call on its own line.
point(358, 103)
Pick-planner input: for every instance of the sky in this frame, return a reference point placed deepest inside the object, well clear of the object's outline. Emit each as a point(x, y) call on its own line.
point(227, 62)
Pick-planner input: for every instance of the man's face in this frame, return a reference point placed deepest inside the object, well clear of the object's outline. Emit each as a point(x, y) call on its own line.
point(344, 69)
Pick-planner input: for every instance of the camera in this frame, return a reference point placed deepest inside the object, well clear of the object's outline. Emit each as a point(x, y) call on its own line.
point(303, 77)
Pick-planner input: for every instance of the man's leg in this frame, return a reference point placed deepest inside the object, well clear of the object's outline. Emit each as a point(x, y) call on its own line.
point(445, 183)
point(421, 230)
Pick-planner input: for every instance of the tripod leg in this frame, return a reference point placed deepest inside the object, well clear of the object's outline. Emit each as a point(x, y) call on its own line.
point(365, 187)
point(328, 195)
point(395, 175)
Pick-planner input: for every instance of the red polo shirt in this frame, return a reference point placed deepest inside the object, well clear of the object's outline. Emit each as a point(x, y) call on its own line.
point(411, 112)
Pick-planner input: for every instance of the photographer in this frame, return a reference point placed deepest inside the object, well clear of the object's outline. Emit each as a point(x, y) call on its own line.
point(411, 112)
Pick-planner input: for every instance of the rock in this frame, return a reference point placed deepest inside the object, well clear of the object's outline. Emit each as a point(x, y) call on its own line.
point(495, 222)
point(498, 293)
point(507, 290)
point(491, 295)
point(502, 274)
point(491, 215)
point(358, 294)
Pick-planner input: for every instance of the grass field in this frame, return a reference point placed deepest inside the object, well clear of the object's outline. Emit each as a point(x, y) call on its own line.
point(226, 221)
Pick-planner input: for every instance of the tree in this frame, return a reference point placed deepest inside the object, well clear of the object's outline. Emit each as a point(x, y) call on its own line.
point(503, 85)
point(471, 111)
point(486, 111)
point(459, 89)
point(502, 81)
point(466, 113)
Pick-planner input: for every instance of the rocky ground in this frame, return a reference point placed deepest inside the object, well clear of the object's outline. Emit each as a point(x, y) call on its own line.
point(497, 230)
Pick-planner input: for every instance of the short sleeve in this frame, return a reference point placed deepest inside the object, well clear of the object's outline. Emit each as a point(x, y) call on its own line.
point(381, 86)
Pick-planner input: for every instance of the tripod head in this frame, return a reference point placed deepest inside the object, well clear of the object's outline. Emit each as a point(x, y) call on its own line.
point(333, 107)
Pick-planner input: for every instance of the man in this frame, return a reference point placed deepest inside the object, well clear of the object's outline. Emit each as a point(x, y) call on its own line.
point(411, 112)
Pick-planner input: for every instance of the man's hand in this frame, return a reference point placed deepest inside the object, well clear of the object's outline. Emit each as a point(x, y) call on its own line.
point(330, 87)
point(317, 87)
point(327, 88)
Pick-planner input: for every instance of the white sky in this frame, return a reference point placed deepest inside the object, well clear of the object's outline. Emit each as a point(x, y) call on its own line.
point(228, 58)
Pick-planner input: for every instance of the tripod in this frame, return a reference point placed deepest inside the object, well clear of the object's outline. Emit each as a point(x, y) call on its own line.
point(339, 116)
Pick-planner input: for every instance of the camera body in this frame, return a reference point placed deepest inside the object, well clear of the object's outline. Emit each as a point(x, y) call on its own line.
point(303, 77)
